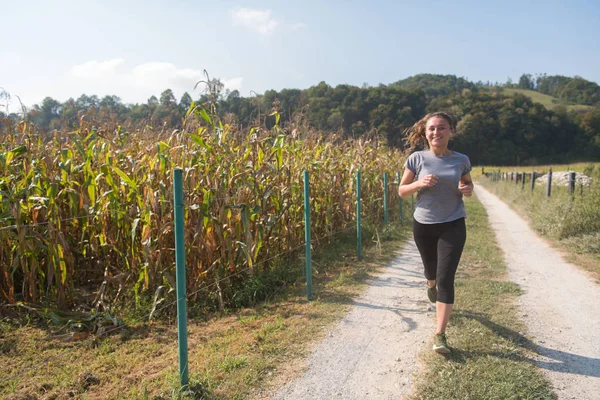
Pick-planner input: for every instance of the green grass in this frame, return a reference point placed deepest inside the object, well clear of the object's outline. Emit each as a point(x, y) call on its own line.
point(547, 101)
point(491, 356)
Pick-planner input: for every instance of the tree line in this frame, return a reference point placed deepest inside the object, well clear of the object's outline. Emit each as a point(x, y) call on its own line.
point(492, 127)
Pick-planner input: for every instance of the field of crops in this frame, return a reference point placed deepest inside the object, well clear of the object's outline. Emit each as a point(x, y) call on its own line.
point(91, 211)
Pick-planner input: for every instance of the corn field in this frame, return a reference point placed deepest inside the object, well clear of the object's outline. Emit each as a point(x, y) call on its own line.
point(92, 209)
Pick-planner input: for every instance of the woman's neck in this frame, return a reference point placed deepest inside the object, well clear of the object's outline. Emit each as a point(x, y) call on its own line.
point(440, 151)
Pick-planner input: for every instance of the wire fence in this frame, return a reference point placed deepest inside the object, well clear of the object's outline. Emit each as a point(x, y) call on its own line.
point(48, 222)
point(575, 184)
point(57, 225)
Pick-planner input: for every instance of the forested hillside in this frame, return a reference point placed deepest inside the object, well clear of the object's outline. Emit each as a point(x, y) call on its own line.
point(436, 85)
point(494, 126)
point(570, 90)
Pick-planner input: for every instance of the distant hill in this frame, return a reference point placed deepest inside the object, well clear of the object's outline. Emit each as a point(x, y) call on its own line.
point(552, 91)
point(436, 85)
point(574, 90)
point(565, 89)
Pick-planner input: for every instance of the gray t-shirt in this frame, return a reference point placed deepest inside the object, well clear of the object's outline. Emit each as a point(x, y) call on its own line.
point(442, 202)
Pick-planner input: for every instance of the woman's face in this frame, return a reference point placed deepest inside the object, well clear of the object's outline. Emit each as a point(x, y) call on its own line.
point(437, 132)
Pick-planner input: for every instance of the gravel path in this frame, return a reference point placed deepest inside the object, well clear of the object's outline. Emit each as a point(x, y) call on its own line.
point(560, 306)
point(371, 354)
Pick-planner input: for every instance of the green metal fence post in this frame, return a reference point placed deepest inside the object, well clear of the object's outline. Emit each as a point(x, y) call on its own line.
point(358, 242)
point(401, 216)
point(180, 277)
point(385, 199)
point(307, 235)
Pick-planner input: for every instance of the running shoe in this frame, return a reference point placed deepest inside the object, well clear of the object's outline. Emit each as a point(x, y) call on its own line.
point(440, 344)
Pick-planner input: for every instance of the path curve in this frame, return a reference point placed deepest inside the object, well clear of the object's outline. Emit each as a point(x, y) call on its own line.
point(561, 304)
point(372, 352)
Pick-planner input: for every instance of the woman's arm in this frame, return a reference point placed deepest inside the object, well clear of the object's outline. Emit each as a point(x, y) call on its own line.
point(466, 185)
point(408, 185)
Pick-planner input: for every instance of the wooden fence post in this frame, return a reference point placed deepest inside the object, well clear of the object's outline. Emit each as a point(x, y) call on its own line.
point(572, 184)
point(571, 189)
point(549, 183)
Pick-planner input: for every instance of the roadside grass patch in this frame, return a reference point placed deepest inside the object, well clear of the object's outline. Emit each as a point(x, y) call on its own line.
point(491, 355)
point(232, 363)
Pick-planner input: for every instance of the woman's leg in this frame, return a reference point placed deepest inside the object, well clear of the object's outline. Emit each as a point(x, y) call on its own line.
point(449, 249)
point(443, 311)
point(427, 243)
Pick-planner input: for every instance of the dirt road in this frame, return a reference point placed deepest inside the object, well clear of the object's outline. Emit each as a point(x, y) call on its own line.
point(561, 304)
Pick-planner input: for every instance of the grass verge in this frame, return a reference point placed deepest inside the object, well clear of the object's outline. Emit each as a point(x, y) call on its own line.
point(491, 356)
point(232, 355)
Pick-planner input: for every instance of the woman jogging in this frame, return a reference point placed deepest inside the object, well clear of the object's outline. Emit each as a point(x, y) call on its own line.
point(441, 177)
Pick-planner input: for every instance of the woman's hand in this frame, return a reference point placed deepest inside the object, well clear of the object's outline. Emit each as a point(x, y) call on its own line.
point(466, 185)
point(466, 188)
point(428, 181)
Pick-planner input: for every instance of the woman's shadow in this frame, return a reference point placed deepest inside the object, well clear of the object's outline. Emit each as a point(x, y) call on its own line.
point(551, 359)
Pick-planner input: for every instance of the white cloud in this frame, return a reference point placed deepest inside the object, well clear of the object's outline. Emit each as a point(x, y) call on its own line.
point(233, 83)
point(165, 74)
point(298, 25)
point(256, 20)
point(97, 69)
point(138, 83)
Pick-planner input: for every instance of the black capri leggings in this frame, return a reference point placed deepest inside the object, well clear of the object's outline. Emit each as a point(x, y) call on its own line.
point(441, 246)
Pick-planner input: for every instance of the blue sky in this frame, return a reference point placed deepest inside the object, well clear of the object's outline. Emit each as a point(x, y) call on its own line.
point(135, 49)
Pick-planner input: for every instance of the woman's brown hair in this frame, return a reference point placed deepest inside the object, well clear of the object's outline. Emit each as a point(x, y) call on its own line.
point(415, 135)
